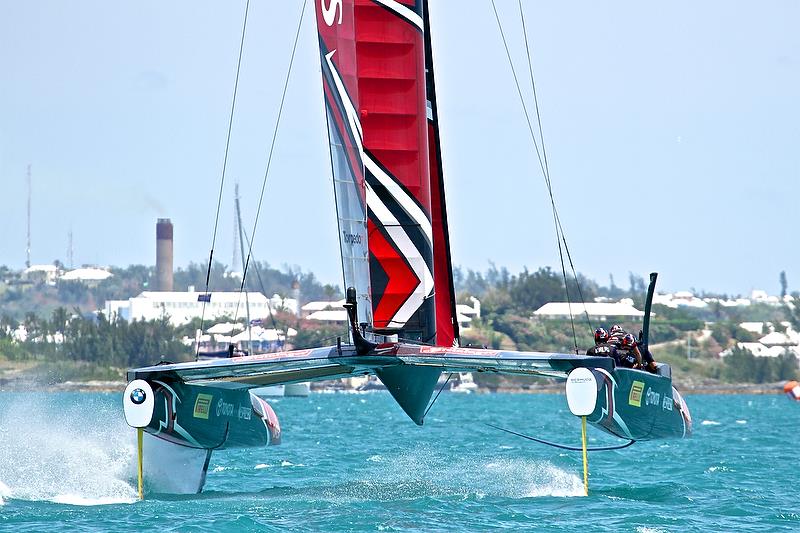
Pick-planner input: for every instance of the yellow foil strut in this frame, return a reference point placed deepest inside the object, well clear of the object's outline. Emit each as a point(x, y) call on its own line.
point(585, 458)
point(140, 432)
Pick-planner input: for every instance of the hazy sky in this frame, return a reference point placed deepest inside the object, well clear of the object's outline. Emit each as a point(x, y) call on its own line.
point(672, 131)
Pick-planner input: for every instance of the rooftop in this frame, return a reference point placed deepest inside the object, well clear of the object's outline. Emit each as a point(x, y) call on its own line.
point(599, 309)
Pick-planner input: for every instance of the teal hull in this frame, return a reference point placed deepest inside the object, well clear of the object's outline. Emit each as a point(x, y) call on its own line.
point(638, 405)
point(212, 417)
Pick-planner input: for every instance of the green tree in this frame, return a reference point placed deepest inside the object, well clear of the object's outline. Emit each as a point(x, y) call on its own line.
point(783, 283)
point(740, 366)
point(786, 367)
point(312, 335)
point(531, 290)
point(791, 311)
point(58, 320)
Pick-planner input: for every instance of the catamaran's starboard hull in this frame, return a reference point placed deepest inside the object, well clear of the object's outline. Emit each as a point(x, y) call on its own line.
point(638, 405)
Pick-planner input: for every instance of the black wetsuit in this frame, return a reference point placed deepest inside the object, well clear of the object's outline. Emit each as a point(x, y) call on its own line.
point(605, 349)
point(627, 358)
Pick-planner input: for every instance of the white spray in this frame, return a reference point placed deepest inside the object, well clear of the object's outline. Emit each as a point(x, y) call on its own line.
point(65, 449)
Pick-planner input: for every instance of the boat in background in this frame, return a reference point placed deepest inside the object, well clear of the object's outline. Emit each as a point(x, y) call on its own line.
point(464, 384)
point(792, 390)
point(297, 390)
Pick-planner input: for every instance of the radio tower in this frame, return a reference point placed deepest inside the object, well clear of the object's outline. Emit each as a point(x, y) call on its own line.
point(235, 233)
point(28, 249)
point(69, 249)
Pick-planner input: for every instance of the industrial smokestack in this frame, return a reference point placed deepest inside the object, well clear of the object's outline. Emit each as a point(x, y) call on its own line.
point(164, 254)
point(296, 295)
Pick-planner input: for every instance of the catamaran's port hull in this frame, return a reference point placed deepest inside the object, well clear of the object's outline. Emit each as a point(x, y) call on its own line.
point(211, 417)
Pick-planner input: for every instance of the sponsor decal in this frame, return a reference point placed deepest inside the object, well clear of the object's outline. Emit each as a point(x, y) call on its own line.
point(652, 397)
point(440, 350)
point(202, 406)
point(579, 379)
point(228, 409)
point(351, 238)
point(329, 11)
point(273, 356)
point(635, 396)
point(170, 411)
point(666, 404)
point(224, 408)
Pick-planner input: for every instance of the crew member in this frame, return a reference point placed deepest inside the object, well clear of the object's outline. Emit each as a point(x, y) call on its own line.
point(629, 354)
point(615, 335)
point(602, 347)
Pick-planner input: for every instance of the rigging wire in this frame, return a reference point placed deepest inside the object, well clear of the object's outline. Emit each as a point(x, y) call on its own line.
point(549, 185)
point(224, 167)
point(563, 446)
point(556, 218)
point(261, 284)
point(437, 394)
point(272, 145)
point(544, 170)
point(575, 275)
point(522, 100)
point(547, 167)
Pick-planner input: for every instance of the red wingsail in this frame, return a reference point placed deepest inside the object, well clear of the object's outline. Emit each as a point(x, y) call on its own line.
point(378, 49)
point(391, 84)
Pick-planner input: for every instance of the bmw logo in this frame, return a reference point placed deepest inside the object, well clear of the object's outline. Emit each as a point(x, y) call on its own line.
point(138, 396)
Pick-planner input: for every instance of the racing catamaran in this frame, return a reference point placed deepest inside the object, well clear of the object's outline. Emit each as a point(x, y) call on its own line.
point(380, 100)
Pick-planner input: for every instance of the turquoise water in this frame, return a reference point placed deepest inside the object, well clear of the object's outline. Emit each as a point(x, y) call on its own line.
point(354, 463)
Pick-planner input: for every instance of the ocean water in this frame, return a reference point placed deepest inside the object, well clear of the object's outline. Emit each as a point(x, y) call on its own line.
point(353, 462)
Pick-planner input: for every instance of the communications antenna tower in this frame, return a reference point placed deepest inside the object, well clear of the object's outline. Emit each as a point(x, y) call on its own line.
point(28, 249)
point(69, 250)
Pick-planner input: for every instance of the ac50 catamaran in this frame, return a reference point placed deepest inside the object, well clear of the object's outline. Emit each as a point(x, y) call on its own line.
point(380, 101)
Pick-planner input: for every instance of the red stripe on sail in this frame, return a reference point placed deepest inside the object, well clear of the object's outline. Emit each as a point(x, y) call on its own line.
point(402, 280)
point(442, 271)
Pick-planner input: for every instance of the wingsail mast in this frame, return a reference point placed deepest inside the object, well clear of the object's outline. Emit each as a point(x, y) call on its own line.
point(244, 268)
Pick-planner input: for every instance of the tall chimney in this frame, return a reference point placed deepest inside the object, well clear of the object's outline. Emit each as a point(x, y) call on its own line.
point(164, 254)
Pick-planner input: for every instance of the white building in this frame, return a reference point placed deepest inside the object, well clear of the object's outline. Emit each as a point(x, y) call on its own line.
point(88, 275)
point(772, 344)
point(313, 307)
point(181, 307)
point(597, 310)
point(465, 313)
point(335, 313)
point(679, 299)
point(332, 316)
point(762, 297)
point(41, 274)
